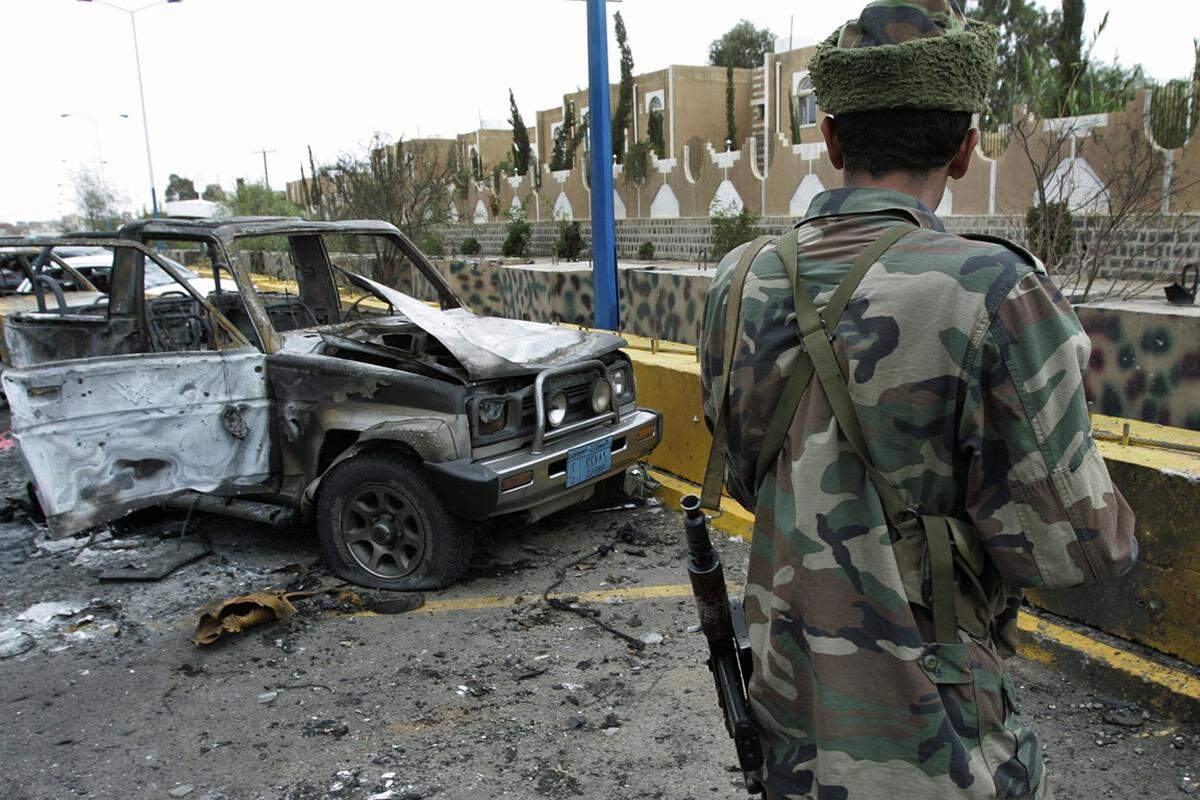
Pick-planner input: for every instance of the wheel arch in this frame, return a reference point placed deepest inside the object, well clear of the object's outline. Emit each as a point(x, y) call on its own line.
point(423, 439)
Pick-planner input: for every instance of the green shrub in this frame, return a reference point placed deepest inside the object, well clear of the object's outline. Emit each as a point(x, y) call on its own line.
point(1050, 233)
point(646, 251)
point(516, 244)
point(570, 241)
point(637, 162)
point(470, 247)
point(731, 230)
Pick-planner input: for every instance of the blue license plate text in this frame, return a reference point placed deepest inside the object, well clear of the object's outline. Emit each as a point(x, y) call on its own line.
point(588, 461)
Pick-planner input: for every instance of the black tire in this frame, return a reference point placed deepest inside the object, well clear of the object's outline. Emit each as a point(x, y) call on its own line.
point(382, 525)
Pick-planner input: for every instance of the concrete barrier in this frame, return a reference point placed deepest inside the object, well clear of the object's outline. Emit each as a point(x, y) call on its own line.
point(1156, 605)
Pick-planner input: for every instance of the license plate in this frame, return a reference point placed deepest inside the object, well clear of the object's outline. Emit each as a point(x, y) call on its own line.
point(588, 461)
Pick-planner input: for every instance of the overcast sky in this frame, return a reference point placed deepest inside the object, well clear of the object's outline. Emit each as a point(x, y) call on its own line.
point(225, 77)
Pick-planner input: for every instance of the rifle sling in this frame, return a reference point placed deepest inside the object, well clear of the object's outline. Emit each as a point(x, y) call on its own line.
point(818, 346)
point(830, 318)
point(818, 356)
point(714, 473)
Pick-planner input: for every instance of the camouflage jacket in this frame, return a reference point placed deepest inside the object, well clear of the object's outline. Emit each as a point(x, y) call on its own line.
point(966, 364)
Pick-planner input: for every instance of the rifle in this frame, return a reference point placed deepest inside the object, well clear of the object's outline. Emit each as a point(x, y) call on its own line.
point(723, 622)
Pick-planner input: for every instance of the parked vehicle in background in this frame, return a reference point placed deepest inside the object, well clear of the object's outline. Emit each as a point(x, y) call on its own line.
point(395, 425)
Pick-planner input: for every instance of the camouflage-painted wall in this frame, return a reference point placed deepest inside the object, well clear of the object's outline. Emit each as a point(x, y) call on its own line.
point(1145, 354)
point(1145, 361)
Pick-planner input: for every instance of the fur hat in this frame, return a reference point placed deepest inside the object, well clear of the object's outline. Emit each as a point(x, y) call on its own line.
point(921, 54)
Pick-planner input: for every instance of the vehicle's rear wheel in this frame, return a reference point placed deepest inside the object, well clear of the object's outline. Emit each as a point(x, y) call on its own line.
point(382, 525)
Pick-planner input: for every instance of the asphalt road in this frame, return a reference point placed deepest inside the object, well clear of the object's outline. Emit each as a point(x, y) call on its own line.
point(471, 697)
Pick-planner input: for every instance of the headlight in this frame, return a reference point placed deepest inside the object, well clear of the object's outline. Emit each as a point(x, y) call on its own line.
point(601, 397)
point(622, 385)
point(556, 409)
point(492, 414)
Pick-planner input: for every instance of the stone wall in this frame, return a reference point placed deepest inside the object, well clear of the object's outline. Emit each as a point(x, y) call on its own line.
point(1157, 252)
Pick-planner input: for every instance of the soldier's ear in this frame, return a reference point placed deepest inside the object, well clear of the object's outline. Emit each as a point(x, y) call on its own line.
point(962, 159)
point(829, 131)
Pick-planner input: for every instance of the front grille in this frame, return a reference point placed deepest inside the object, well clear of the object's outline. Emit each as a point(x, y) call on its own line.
point(577, 388)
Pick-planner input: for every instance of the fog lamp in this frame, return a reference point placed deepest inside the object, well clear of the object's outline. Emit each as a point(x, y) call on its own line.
point(556, 409)
point(601, 396)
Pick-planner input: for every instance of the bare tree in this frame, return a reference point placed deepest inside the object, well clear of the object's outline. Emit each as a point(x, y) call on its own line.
point(410, 185)
point(98, 203)
point(1092, 229)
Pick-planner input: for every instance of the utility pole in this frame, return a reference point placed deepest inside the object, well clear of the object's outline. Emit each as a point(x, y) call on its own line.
point(137, 57)
point(266, 176)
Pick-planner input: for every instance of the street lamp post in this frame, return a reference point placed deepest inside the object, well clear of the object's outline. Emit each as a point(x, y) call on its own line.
point(137, 57)
point(604, 232)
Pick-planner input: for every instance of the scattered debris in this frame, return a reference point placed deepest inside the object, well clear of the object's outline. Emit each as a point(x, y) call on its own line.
point(43, 613)
point(240, 613)
point(20, 507)
point(620, 507)
point(529, 673)
point(14, 642)
point(394, 605)
point(652, 638)
point(160, 565)
point(326, 727)
point(1124, 719)
point(472, 688)
point(181, 790)
point(572, 606)
point(266, 697)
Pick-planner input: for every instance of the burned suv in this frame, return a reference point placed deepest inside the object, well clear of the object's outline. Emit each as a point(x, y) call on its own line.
point(397, 423)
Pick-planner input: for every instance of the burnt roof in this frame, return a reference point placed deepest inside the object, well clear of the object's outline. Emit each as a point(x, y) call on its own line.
point(233, 227)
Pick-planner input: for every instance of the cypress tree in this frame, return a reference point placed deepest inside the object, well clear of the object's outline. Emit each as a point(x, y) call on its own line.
point(621, 118)
point(521, 147)
point(730, 115)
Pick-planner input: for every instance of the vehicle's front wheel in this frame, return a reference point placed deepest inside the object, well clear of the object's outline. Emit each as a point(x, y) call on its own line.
point(382, 525)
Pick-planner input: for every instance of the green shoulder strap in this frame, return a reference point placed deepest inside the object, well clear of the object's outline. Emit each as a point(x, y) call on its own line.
point(829, 318)
point(818, 346)
point(817, 336)
point(714, 474)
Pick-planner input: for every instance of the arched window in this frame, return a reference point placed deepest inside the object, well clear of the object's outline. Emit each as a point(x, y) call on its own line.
point(806, 100)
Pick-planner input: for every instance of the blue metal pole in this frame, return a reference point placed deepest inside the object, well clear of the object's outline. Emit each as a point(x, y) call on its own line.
point(604, 233)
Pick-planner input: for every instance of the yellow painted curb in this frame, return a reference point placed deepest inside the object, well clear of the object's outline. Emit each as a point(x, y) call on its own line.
point(1164, 687)
point(1171, 690)
point(1130, 665)
point(734, 520)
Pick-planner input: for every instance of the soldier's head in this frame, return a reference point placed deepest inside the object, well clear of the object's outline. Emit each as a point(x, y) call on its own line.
point(902, 83)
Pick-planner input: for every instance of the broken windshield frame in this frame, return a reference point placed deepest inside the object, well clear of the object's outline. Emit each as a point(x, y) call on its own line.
point(448, 299)
point(178, 274)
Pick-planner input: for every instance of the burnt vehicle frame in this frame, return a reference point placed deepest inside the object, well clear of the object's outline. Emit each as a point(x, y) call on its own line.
point(389, 420)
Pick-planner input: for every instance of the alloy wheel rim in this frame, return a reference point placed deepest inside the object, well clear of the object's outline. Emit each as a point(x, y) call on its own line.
point(382, 531)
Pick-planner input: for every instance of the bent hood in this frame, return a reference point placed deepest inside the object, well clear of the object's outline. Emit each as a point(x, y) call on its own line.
point(495, 347)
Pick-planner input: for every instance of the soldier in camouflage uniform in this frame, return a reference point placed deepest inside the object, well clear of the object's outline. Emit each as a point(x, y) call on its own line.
point(964, 363)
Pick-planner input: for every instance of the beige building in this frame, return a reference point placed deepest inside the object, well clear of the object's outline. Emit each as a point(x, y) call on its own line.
point(780, 162)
